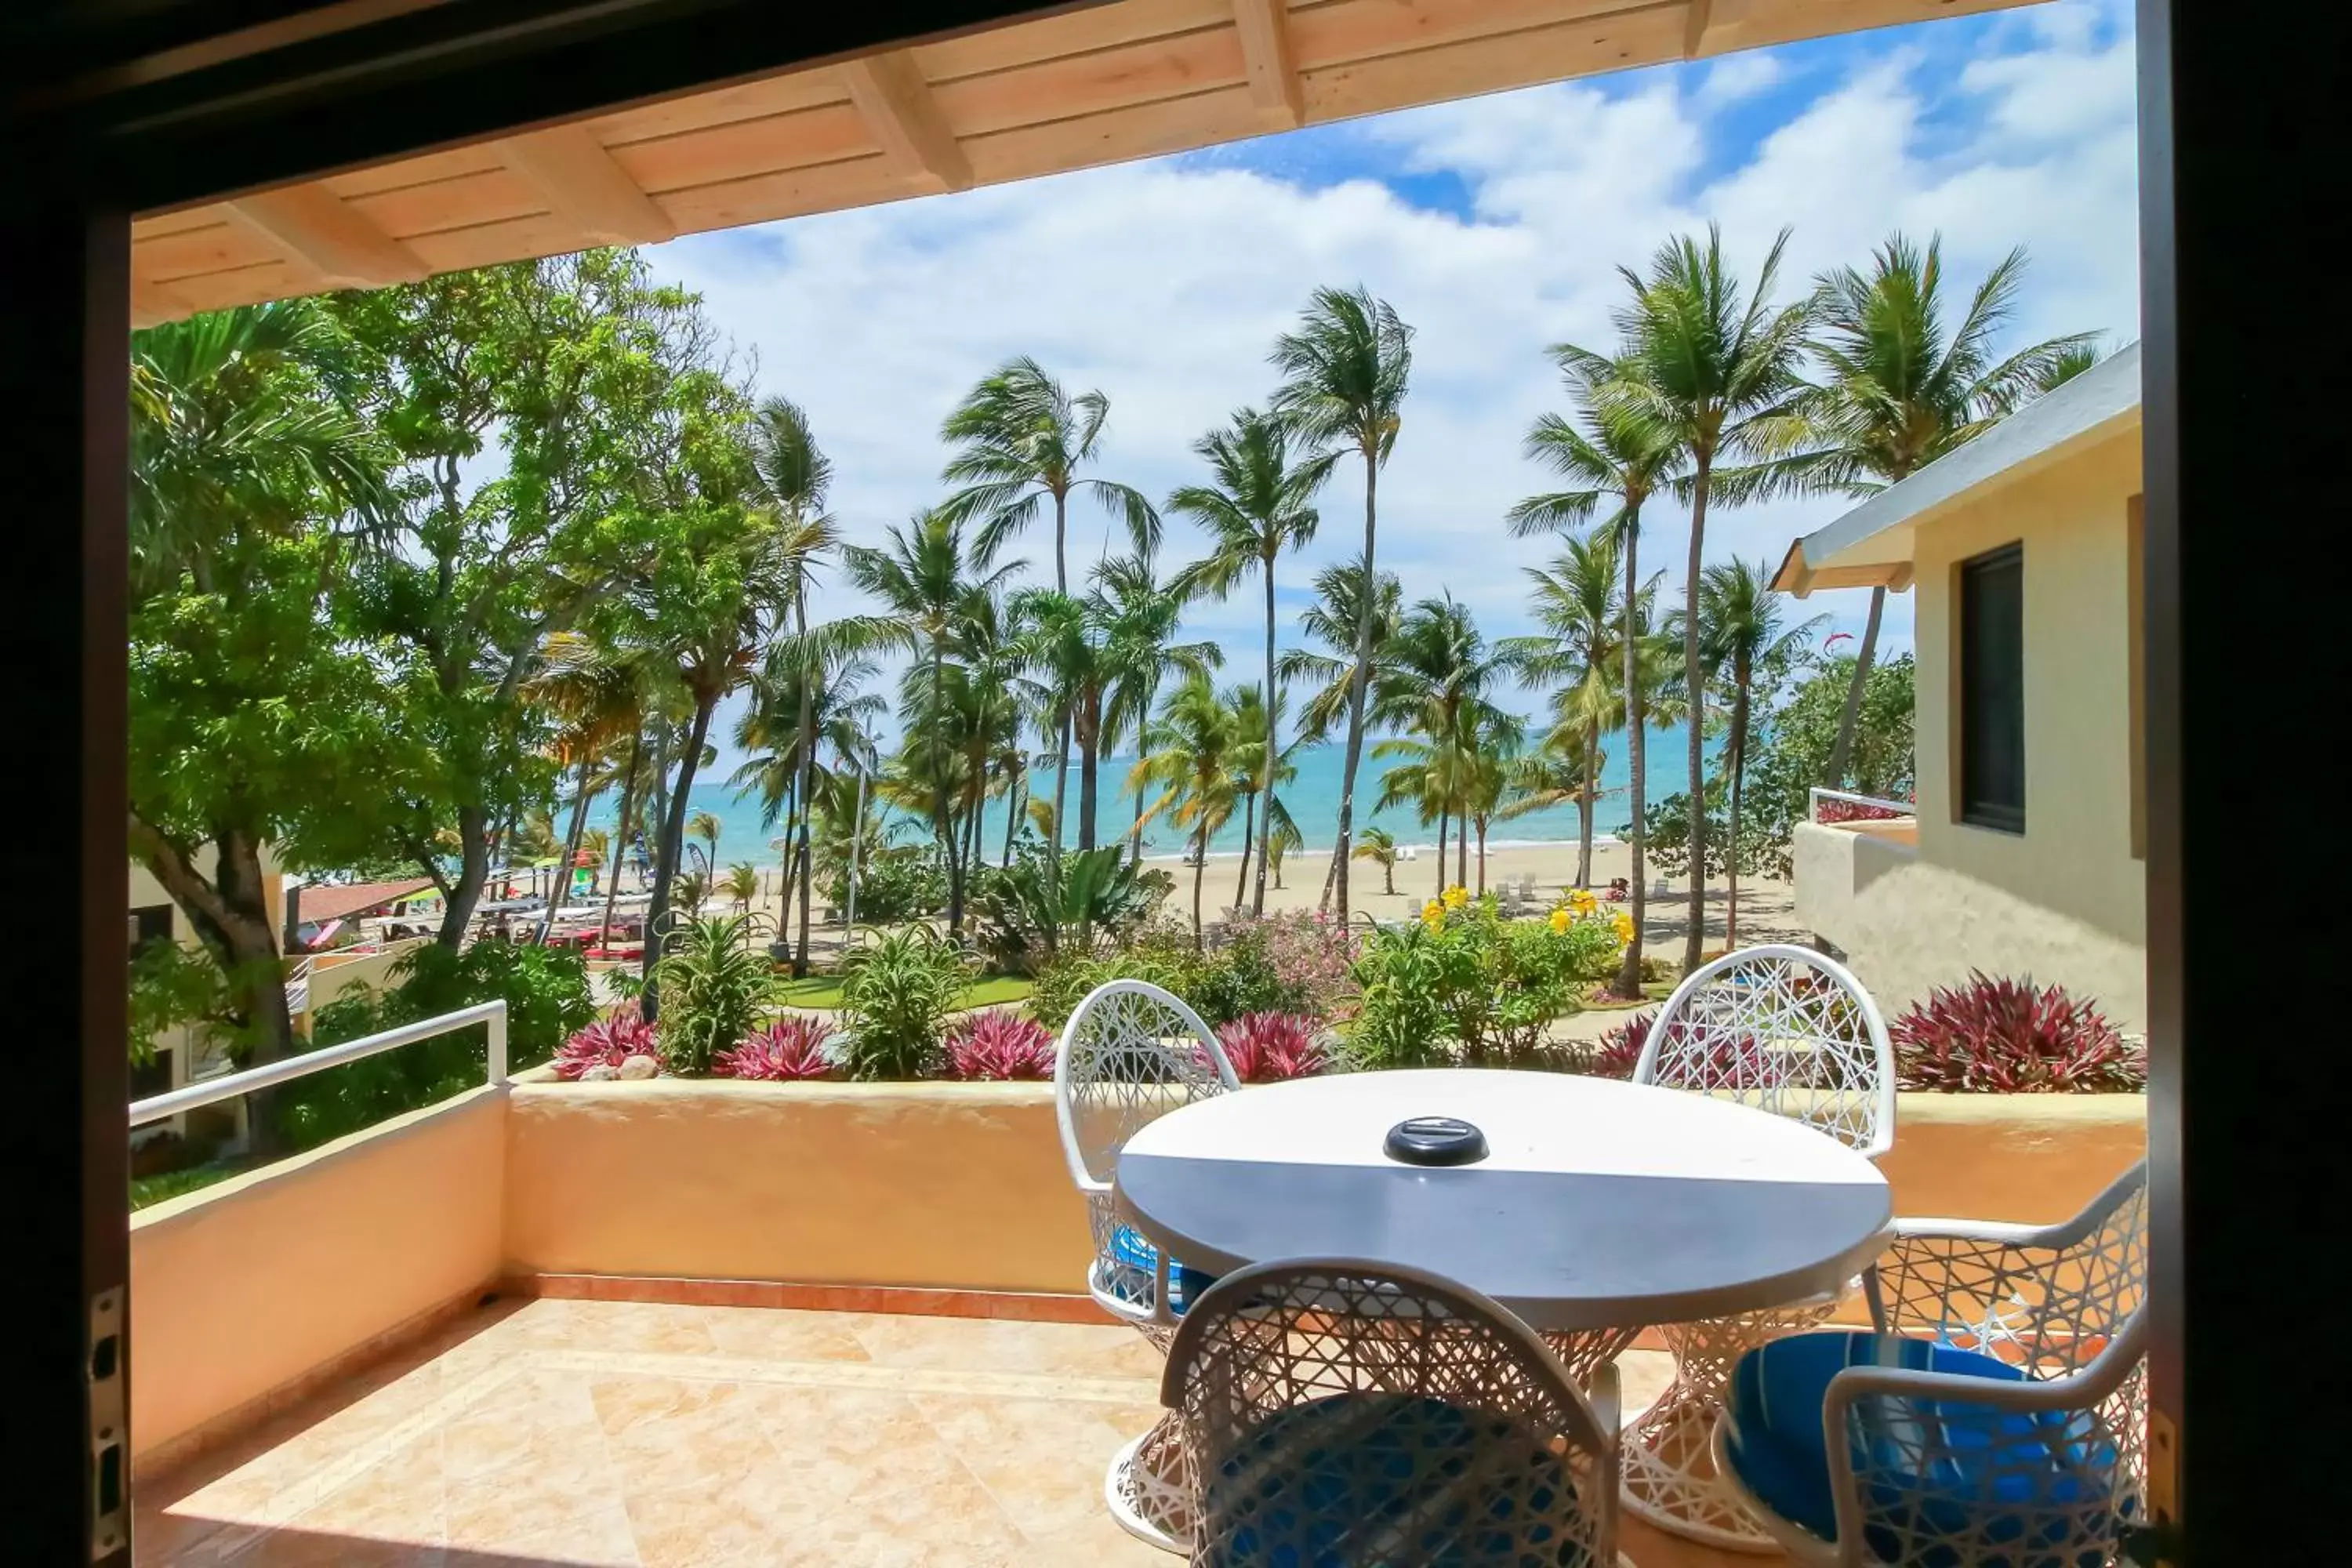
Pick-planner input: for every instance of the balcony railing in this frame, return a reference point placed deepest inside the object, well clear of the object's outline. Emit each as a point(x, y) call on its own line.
point(230, 1086)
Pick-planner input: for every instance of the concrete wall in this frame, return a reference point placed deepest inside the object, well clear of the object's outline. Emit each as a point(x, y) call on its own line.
point(240, 1289)
point(959, 1186)
point(2065, 901)
point(333, 975)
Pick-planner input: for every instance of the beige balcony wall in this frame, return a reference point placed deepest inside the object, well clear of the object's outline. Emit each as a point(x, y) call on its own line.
point(244, 1291)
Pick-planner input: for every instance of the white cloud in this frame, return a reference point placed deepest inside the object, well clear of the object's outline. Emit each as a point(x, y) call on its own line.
point(1164, 283)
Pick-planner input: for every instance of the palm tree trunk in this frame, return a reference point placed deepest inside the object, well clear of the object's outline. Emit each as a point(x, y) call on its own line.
point(579, 798)
point(1584, 806)
point(667, 853)
point(1272, 755)
point(800, 855)
point(1015, 793)
point(1695, 940)
point(1061, 549)
point(1090, 738)
point(621, 833)
point(784, 862)
point(1731, 851)
point(1462, 852)
point(1629, 971)
point(1482, 856)
point(1200, 865)
point(1249, 836)
point(1843, 752)
point(1357, 683)
point(1443, 817)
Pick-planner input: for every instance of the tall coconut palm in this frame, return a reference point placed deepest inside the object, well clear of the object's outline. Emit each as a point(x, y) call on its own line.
point(1260, 771)
point(1346, 368)
point(1437, 682)
point(1331, 618)
point(925, 575)
point(1717, 364)
point(1144, 613)
point(1575, 601)
point(1257, 506)
point(1186, 755)
point(1616, 456)
point(1901, 388)
point(1021, 441)
point(1379, 846)
point(592, 694)
point(1741, 635)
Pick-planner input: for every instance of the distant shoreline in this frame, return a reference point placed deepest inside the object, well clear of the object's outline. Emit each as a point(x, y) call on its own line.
point(1600, 841)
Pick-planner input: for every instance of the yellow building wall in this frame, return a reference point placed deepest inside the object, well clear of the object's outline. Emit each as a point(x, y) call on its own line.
point(2066, 901)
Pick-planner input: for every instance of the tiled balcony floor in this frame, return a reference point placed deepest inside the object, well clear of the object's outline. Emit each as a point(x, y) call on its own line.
point(607, 1433)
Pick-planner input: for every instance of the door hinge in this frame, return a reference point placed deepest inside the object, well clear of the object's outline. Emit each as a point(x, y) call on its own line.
point(110, 1447)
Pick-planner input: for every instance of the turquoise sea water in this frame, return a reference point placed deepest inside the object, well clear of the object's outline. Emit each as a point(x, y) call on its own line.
point(1313, 798)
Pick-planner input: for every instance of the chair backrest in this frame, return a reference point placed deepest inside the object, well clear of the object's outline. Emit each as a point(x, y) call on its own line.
point(1786, 1029)
point(1348, 1411)
point(1130, 1054)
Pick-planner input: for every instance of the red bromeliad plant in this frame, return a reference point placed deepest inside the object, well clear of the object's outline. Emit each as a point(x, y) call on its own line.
point(1000, 1046)
point(2010, 1037)
point(1619, 1049)
point(608, 1042)
point(790, 1049)
point(1268, 1047)
point(1834, 811)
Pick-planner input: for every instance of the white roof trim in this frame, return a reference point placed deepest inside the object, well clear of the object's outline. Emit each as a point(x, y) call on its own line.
point(2102, 400)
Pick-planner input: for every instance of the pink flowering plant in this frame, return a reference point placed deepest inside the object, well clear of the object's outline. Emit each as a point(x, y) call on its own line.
point(607, 1043)
point(790, 1049)
point(1268, 1047)
point(998, 1046)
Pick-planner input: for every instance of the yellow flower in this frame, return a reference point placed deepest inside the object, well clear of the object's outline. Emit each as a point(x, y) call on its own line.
point(1432, 915)
point(1581, 900)
point(1622, 924)
point(1559, 921)
point(1457, 898)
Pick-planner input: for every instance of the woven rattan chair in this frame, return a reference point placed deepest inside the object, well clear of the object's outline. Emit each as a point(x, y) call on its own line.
point(1997, 1419)
point(1131, 1053)
point(1342, 1412)
point(1792, 1032)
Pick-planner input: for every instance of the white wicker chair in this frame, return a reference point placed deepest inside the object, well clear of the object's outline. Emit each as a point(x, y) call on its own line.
point(1792, 1032)
point(1360, 1413)
point(1130, 1054)
point(1967, 1471)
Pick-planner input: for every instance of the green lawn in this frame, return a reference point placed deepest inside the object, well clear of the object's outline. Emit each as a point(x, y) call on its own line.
point(824, 991)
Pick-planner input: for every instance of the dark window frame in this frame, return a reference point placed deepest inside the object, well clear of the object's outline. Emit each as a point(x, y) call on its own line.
point(1988, 690)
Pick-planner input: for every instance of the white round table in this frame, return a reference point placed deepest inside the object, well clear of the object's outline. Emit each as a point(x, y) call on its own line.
point(1598, 1205)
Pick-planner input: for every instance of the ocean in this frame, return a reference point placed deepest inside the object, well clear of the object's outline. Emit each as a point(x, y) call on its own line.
point(1313, 798)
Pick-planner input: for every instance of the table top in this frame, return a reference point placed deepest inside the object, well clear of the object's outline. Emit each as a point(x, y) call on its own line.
point(1598, 1205)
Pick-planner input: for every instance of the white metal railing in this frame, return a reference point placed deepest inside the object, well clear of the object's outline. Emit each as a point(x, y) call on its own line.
point(230, 1086)
point(1815, 795)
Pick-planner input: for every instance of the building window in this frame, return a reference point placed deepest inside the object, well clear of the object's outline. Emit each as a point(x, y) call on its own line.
point(1991, 706)
point(150, 924)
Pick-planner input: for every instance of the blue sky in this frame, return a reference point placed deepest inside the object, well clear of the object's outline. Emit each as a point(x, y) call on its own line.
point(1494, 226)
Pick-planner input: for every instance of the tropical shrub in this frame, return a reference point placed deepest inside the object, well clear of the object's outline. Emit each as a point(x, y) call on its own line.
point(2010, 1037)
point(897, 994)
point(902, 882)
point(1464, 985)
point(792, 1049)
point(547, 996)
point(1268, 1047)
point(1619, 1050)
point(1026, 910)
point(607, 1042)
point(716, 986)
point(1000, 1045)
point(1313, 956)
point(1164, 957)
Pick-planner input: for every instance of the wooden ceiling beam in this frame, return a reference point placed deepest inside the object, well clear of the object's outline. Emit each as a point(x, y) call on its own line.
point(324, 234)
point(1695, 39)
point(581, 184)
point(895, 103)
point(1272, 63)
point(153, 303)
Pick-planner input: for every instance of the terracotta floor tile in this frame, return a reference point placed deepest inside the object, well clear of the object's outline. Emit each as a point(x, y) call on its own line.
point(776, 1334)
point(1108, 1350)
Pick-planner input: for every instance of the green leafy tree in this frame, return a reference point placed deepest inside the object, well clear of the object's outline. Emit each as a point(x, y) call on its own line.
point(1187, 754)
point(1716, 364)
point(1346, 368)
point(1259, 504)
point(1744, 643)
point(1616, 455)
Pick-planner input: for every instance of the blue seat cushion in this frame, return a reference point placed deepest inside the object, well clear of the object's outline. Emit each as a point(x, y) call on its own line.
point(1130, 1251)
point(1389, 1480)
point(1997, 1491)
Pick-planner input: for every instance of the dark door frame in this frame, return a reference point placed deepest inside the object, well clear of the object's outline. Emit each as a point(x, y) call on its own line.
point(120, 107)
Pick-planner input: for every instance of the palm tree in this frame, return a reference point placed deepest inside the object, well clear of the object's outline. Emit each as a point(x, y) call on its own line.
point(1144, 613)
point(1257, 506)
point(1332, 618)
point(1576, 604)
point(592, 694)
point(1900, 391)
point(1188, 755)
point(1379, 846)
point(1435, 681)
point(1717, 366)
point(1258, 773)
point(1488, 745)
point(741, 884)
point(1612, 452)
point(925, 577)
point(1024, 440)
point(1345, 371)
point(1740, 635)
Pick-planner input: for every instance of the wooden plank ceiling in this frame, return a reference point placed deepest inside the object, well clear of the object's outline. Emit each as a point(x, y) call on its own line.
point(1132, 79)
